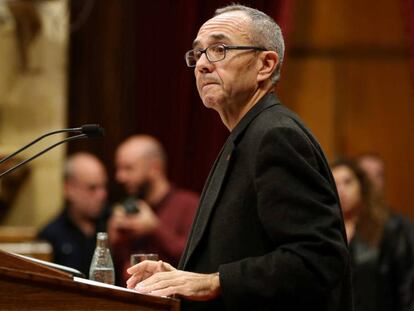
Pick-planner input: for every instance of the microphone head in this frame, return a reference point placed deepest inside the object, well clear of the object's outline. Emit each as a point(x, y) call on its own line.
point(93, 130)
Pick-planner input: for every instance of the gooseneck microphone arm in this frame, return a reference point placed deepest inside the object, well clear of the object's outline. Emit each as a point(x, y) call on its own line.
point(86, 131)
point(80, 136)
point(70, 130)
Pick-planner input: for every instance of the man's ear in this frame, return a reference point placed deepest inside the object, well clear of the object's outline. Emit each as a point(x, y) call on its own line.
point(267, 65)
point(155, 167)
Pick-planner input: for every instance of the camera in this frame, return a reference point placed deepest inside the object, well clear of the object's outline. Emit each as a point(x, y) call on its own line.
point(130, 205)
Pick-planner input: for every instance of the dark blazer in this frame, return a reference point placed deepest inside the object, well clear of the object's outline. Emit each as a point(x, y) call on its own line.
point(383, 275)
point(269, 220)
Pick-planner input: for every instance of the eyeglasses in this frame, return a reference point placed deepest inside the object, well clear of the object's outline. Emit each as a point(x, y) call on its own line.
point(215, 52)
point(89, 187)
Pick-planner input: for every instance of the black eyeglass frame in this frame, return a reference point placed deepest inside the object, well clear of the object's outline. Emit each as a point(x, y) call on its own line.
point(226, 48)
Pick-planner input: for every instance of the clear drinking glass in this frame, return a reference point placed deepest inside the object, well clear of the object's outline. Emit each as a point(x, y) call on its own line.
point(137, 258)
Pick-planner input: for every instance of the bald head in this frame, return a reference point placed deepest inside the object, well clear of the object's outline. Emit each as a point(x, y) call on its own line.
point(85, 184)
point(143, 146)
point(82, 163)
point(140, 160)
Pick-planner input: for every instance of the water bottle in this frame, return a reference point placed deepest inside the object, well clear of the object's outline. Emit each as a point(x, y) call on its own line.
point(102, 267)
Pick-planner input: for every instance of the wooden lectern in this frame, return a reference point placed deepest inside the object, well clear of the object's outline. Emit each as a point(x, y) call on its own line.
point(26, 285)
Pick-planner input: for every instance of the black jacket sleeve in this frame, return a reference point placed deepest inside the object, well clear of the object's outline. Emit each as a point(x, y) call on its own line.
point(299, 210)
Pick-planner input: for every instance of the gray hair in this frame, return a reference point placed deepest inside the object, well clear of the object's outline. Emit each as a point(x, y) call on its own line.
point(70, 169)
point(264, 32)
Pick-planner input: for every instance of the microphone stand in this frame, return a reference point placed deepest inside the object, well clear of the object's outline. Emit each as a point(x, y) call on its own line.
point(78, 129)
point(80, 136)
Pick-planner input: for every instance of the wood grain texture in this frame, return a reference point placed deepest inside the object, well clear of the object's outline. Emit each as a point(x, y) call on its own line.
point(25, 285)
point(348, 75)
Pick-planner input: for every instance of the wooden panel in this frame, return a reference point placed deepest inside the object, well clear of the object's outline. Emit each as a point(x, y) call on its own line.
point(36, 249)
point(27, 285)
point(348, 76)
point(37, 293)
point(377, 114)
point(308, 87)
point(16, 263)
point(346, 24)
point(15, 234)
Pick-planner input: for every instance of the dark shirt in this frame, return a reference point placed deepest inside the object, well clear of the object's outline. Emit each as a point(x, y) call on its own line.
point(383, 275)
point(71, 247)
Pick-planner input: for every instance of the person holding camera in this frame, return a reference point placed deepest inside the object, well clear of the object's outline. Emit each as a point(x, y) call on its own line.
point(156, 216)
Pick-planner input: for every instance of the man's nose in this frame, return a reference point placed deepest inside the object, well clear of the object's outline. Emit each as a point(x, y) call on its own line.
point(203, 64)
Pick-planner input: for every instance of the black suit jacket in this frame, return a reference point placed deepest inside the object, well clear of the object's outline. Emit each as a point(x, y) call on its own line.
point(269, 220)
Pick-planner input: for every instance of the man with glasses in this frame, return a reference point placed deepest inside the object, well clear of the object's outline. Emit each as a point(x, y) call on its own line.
point(268, 234)
point(72, 234)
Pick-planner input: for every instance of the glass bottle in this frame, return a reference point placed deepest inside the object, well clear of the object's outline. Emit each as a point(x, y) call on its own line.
point(102, 267)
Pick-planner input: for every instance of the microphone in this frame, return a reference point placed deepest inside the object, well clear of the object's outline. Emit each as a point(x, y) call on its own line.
point(87, 131)
point(91, 130)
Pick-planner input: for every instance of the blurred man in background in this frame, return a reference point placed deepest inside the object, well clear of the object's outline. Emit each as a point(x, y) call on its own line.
point(156, 217)
point(72, 234)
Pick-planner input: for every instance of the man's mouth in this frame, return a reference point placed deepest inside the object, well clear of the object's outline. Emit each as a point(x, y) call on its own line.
point(204, 84)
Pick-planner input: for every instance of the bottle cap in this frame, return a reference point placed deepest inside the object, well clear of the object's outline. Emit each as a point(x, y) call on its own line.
point(102, 235)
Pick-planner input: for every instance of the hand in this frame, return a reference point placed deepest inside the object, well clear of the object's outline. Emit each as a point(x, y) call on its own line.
point(161, 279)
point(135, 225)
point(145, 269)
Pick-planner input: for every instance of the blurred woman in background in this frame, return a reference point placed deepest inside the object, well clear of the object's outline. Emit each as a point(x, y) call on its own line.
point(380, 245)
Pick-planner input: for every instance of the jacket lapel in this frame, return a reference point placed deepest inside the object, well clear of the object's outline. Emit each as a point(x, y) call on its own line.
point(216, 177)
point(208, 198)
